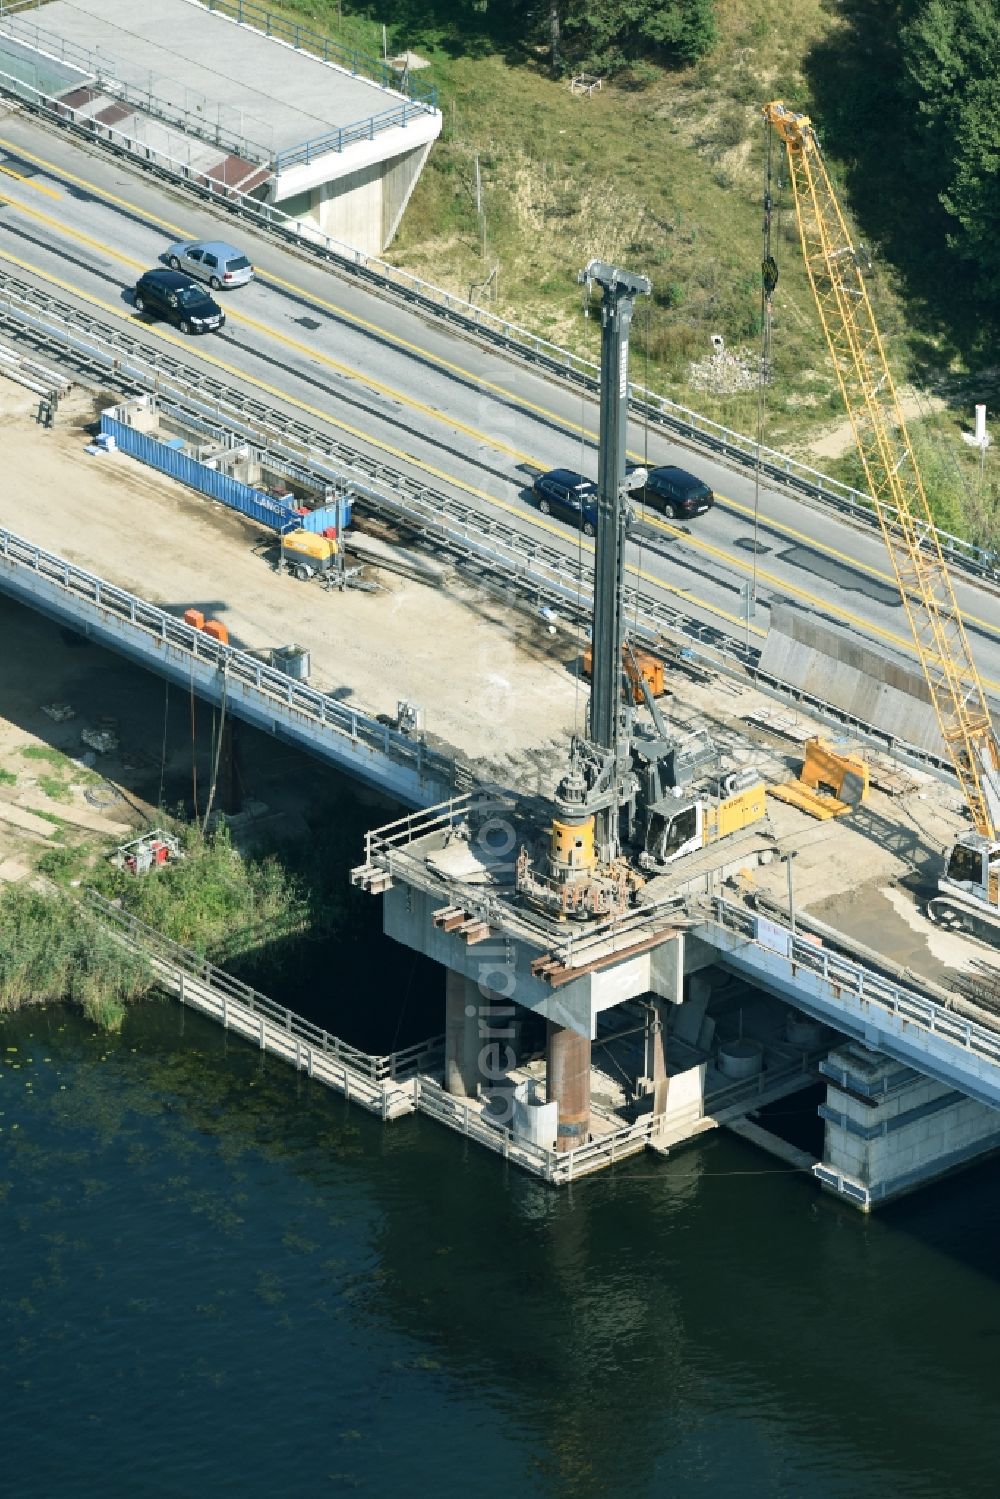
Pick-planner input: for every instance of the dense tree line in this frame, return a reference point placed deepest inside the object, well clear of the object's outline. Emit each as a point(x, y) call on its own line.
point(950, 51)
point(612, 34)
point(603, 35)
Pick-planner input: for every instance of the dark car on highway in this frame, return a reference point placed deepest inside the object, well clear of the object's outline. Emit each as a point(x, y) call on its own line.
point(676, 493)
point(570, 496)
point(171, 295)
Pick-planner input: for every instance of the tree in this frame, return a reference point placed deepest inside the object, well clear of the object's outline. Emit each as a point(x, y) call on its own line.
point(949, 51)
point(612, 34)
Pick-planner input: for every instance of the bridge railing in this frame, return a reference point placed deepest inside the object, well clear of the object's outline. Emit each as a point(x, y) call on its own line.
point(345, 135)
point(669, 416)
point(257, 17)
point(867, 986)
point(396, 1066)
point(234, 665)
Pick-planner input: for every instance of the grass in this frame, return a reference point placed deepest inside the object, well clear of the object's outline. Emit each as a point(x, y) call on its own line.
point(48, 756)
point(50, 948)
point(662, 172)
point(7, 778)
point(56, 789)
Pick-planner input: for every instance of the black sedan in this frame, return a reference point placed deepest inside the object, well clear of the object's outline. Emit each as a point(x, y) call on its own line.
point(175, 297)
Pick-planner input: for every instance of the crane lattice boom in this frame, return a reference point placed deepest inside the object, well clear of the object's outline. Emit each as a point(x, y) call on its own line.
point(891, 470)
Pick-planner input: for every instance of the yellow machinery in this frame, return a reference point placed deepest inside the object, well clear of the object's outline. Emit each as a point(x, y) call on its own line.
point(969, 889)
point(307, 553)
point(677, 826)
point(829, 784)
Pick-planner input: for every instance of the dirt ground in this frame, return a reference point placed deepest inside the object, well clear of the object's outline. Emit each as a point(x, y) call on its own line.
point(492, 683)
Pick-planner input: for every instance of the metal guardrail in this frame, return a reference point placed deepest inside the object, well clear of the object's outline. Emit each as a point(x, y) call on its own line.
point(556, 1168)
point(533, 569)
point(396, 1066)
point(688, 426)
point(258, 18)
point(346, 135)
point(872, 988)
point(549, 575)
point(236, 666)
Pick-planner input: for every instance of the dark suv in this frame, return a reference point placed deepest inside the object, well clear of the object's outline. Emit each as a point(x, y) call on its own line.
point(676, 493)
point(570, 496)
point(170, 295)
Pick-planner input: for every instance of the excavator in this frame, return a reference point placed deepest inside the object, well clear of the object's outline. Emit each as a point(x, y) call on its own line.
point(968, 897)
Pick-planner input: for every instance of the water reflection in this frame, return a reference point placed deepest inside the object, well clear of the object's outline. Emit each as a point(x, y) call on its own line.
point(217, 1275)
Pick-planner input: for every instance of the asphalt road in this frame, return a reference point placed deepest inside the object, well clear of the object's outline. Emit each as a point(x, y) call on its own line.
point(432, 403)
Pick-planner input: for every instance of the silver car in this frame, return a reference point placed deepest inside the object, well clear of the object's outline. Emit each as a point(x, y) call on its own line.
point(221, 265)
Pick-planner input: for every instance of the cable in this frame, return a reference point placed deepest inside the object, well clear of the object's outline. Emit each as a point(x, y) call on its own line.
point(194, 754)
point(218, 748)
point(163, 747)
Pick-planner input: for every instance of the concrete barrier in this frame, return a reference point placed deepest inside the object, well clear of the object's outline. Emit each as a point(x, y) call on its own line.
point(829, 663)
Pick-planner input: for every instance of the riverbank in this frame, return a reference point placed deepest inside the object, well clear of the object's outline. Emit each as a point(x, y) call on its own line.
point(261, 895)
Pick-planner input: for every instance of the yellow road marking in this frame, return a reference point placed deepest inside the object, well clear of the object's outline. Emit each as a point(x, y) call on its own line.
point(536, 520)
point(289, 342)
point(565, 424)
point(700, 544)
point(39, 187)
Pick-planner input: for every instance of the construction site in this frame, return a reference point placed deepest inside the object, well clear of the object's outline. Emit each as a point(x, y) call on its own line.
point(667, 880)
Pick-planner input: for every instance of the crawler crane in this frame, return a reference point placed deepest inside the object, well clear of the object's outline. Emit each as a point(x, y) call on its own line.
point(969, 888)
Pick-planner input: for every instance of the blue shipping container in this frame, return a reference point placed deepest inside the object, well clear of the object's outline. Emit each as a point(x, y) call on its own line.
point(263, 508)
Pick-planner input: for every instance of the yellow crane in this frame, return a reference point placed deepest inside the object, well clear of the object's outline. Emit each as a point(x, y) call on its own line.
point(969, 888)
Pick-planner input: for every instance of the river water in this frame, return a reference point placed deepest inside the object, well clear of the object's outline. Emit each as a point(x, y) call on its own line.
point(219, 1278)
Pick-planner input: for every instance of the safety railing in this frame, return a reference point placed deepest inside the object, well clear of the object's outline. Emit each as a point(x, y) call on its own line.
point(346, 135)
point(237, 666)
point(871, 988)
point(85, 60)
point(258, 18)
point(448, 524)
point(688, 426)
point(397, 1066)
point(557, 1168)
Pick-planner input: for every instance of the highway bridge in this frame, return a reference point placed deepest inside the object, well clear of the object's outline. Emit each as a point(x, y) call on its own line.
point(433, 412)
point(437, 408)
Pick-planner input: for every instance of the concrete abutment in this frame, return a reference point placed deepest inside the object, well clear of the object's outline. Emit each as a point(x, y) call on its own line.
point(890, 1130)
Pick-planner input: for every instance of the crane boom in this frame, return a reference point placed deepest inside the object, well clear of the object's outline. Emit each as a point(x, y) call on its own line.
point(891, 470)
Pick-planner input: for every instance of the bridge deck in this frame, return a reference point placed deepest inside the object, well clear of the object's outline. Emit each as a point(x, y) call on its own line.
point(277, 97)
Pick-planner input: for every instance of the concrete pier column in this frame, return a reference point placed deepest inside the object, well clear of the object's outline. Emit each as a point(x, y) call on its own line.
point(656, 1053)
point(567, 1083)
point(890, 1130)
point(461, 1036)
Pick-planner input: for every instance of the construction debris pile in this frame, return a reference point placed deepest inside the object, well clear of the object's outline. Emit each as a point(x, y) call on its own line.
point(725, 372)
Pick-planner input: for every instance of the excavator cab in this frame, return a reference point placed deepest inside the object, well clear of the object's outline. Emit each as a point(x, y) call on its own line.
point(969, 890)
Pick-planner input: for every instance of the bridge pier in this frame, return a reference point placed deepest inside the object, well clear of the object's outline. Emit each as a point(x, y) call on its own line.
point(890, 1130)
point(567, 1083)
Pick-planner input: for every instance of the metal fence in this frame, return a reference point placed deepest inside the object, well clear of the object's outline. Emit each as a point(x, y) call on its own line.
point(865, 985)
point(346, 135)
point(372, 1080)
point(258, 18)
point(660, 411)
point(323, 715)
